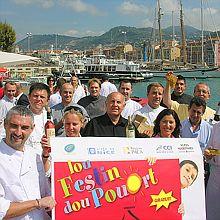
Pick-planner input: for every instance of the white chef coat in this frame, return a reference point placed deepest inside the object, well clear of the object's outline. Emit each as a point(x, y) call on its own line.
point(107, 88)
point(5, 105)
point(130, 107)
point(149, 113)
point(22, 178)
point(35, 137)
point(78, 94)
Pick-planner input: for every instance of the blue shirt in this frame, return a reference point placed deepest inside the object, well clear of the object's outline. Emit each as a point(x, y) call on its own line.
point(203, 132)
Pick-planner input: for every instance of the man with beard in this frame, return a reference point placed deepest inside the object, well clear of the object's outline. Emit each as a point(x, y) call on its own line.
point(24, 189)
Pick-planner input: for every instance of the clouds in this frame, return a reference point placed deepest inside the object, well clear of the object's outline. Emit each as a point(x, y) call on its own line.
point(71, 32)
point(42, 3)
point(169, 5)
point(131, 8)
point(82, 33)
point(81, 7)
point(94, 17)
point(211, 18)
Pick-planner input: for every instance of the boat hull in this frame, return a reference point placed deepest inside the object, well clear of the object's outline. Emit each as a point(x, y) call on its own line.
point(117, 76)
point(199, 73)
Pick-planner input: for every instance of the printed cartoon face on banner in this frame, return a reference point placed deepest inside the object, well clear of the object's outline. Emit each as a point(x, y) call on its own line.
point(117, 190)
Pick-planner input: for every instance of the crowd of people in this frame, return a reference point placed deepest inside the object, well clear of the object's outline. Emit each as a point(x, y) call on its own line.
point(99, 110)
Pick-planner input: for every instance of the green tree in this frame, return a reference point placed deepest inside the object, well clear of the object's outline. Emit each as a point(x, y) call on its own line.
point(7, 37)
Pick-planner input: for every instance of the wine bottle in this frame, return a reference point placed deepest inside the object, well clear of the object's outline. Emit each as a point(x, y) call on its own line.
point(49, 127)
point(130, 129)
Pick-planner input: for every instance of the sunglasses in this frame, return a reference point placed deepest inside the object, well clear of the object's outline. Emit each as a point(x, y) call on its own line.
point(75, 108)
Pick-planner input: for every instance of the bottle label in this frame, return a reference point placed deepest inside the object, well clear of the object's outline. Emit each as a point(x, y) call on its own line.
point(50, 132)
point(131, 134)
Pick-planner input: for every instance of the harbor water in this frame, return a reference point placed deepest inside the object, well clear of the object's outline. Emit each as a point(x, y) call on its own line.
point(139, 89)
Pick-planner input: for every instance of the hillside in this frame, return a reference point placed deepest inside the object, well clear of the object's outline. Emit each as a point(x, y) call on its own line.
point(112, 37)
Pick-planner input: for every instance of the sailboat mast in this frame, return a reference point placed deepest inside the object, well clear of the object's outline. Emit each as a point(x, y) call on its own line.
point(160, 32)
point(174, 58)
point(184, 55)
point(173, 34)
point(202, 32)
point(154, 35)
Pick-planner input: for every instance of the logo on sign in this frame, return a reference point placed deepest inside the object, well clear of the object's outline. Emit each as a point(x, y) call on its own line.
point(69, 148)
point(101, 150)
point(185, 148)
point(164, 149)
point(133, 150)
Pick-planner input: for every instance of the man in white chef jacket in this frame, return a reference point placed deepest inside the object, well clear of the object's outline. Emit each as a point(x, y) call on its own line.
point(24, 188)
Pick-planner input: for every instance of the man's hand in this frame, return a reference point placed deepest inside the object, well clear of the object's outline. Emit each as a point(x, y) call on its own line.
point(47, 203)
point(166, 95)
point(171, 79)
point(208, 154)
point(148, 132)
point(151, 160)
point(45, 145)
point(181, 209)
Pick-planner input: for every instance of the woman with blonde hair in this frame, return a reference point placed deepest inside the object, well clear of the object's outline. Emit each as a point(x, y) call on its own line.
point(73, 120)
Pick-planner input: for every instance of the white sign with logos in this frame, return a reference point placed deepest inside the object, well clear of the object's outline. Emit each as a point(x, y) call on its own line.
point(128, 149)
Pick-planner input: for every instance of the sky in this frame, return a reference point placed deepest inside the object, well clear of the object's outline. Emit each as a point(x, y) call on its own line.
point(80, 18)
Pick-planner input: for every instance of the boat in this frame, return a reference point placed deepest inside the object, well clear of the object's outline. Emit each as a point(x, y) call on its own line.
point(188, 72)
point(98, 65)
point(161, 66)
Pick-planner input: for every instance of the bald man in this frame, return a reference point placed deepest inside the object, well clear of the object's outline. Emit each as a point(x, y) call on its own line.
point(111, 124)
point(66, 93)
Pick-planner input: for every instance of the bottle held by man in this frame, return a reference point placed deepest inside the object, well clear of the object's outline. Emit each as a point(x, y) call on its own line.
point(49, 127)
point(130, 129)
point(172, 79)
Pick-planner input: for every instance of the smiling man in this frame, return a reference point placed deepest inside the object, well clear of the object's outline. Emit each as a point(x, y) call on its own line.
point(8, 100)
point(195, 126)
point(178, 93)
point(24, 188)
point(111, 124)
point(94, 103)
point(38, 96)
point(201, 90)
point(125, 88)
point(153, 108)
